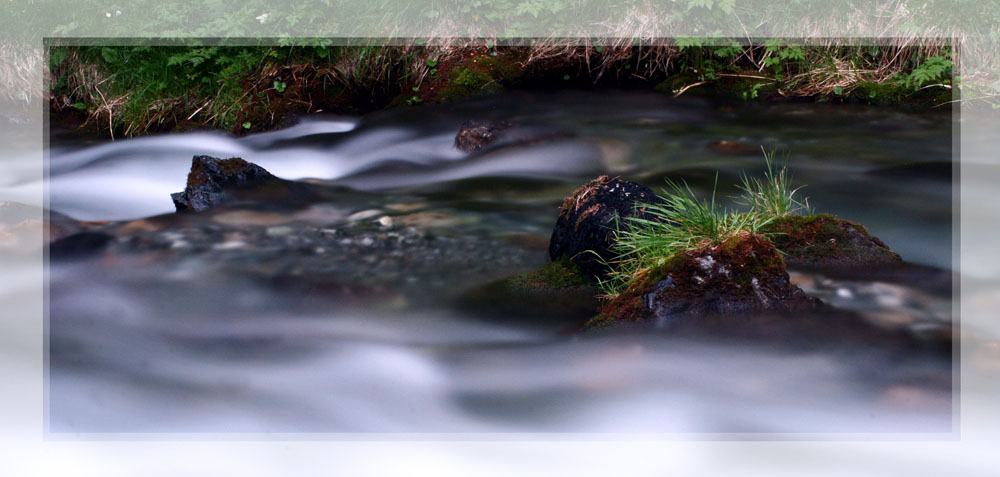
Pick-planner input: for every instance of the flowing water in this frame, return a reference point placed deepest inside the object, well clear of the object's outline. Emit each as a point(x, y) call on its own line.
point(347, 313)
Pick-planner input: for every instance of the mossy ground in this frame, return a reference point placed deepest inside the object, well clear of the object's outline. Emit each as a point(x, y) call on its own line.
point(467, 73)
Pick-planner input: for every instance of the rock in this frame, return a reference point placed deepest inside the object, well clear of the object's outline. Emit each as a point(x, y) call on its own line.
point(212, 180)
point(475, 134)
point(79, 245)
point(743, 275)
point(825, 241)
point(556, 290)
point(238, 218)
point(733, 147)
point(480, 135)
point(588, 217)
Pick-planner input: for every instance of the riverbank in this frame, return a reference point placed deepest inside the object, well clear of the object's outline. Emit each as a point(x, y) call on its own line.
point(125, 91)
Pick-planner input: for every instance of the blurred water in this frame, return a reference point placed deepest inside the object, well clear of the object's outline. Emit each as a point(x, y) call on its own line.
point(148, 342)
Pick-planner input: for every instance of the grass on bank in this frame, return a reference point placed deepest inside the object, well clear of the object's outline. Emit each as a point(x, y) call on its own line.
point(132, 90)
point(683, 222)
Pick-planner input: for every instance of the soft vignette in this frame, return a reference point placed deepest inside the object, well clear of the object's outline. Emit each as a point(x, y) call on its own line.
point(28, 451)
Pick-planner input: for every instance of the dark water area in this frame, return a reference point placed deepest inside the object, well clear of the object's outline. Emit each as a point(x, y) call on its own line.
point(344, 312)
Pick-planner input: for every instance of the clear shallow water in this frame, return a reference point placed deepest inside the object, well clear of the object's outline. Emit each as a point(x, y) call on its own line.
point(204, 333)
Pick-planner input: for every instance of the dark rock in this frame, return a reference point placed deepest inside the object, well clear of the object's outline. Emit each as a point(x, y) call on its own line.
point(79, 245)
point(59, 226)
point(744, 275)
point(588, 219)
point(212, 180)
point(475, 134)
point(825, 241)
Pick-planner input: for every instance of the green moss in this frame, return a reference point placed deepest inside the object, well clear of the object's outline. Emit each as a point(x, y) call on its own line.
point(506, 69)
point(467, 81)
point(557, 289)
point(229, 167)
point(877, 93)
point(233, 166)
point(824, 239)
point(743, 259)
point(553, 275)
point(729, 87)
point(896, 93)
point(602, 320)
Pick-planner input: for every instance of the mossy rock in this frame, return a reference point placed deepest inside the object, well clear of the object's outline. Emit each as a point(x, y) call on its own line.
point(555, 290)
point(825, 241)
point(477, 134)
point(743, 275)
point(211, 181)
point(589, 217)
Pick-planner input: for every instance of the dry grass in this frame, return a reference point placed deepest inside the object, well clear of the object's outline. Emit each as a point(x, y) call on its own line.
point(20, 69)
point(599, 57)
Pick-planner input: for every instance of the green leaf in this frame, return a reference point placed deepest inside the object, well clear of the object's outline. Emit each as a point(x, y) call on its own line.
point(279, 86)
point(566, 77)
point(80, 106)
point(109, 55)
point(246, 125)
point(688, 42)
point(838, 90)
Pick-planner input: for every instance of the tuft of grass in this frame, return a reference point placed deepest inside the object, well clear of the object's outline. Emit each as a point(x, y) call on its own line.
point(681, 222)
point(773, 195)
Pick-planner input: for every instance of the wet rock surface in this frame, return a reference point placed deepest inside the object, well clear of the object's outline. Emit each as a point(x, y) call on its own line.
point(212, 182)
point(823, 330)
point(361, 258)
point(588, 217)
point(744, 275)
point(477, 134)
point(823, 240)
point(484, 135)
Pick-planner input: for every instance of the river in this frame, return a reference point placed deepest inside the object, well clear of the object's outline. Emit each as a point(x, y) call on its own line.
point(346, 314)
